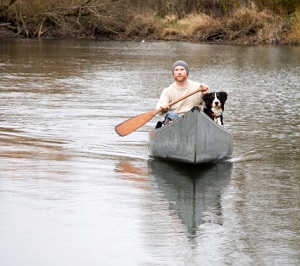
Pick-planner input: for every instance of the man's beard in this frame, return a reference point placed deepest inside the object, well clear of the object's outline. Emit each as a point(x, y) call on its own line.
point(180, 78)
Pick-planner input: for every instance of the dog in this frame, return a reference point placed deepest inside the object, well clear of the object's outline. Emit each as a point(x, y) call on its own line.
point(214, 105)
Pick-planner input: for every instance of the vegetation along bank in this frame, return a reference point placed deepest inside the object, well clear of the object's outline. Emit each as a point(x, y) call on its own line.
point(218, 21)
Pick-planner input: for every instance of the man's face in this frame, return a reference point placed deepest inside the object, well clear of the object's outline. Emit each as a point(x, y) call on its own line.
point(180, 74)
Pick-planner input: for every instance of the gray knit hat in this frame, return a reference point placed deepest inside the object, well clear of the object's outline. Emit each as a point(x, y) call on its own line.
point(181, 63)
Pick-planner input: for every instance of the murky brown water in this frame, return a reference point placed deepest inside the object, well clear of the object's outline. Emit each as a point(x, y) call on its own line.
point(72, 192)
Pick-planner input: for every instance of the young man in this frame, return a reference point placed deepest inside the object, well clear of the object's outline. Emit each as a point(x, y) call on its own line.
point(180, 87)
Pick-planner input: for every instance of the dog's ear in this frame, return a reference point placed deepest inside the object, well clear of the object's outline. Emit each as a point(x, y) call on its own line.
point(207, 95)
point(224, 95)
point(206, 98)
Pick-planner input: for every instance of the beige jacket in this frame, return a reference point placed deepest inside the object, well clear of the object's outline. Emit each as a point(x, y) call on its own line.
point(173, 93)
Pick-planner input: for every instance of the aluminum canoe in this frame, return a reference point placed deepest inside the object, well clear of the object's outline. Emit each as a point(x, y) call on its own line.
point(194, 138)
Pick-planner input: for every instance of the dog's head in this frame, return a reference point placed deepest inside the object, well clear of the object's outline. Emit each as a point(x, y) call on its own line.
point(215, 100)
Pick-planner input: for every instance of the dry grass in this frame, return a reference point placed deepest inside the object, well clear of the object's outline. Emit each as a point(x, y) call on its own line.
point(293, 36)
point(261, 26)
point(119, 19)
point(143, 25)
point(187, 27)
point(245, 25)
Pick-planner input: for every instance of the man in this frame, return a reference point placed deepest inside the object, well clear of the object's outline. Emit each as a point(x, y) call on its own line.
point(180, 87)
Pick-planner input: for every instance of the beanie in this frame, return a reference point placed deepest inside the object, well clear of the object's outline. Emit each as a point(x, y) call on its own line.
point(181, 63)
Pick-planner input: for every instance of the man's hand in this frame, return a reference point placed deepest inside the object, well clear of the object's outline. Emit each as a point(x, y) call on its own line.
point(165, 108)
point(204, 88)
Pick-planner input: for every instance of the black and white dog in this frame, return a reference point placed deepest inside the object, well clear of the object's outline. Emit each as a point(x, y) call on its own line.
point(214, 105)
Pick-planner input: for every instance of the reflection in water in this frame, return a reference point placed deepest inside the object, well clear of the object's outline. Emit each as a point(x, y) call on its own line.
point(194, 193)
point(33, 152)
point(136, 174)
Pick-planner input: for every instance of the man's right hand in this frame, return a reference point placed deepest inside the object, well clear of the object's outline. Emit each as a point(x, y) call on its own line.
point(165, 108)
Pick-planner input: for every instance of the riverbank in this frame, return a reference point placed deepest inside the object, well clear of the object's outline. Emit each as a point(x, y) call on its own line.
point(245, 25)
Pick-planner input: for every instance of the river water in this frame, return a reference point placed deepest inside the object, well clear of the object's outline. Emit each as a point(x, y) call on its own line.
point(73, 192)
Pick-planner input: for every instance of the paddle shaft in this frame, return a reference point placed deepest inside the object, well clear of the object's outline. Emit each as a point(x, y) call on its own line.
point(136, 122)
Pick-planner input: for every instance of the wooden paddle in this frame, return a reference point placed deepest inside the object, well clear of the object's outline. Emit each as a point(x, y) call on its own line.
point(136, 122)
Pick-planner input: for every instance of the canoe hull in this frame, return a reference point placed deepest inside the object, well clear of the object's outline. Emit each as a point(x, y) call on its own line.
point(193, 138)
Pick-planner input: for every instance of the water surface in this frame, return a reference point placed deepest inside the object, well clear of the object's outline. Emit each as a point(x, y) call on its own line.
point(72, 192)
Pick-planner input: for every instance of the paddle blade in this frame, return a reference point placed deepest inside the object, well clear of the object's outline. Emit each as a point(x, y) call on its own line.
point(134, 123)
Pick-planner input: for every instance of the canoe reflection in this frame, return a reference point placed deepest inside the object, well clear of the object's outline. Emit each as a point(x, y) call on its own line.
point(195, 194)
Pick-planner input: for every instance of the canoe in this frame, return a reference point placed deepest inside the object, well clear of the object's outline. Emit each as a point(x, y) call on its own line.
point(194, 138)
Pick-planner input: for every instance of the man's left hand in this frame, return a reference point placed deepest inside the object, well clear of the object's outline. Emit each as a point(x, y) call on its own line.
point(204, 88)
